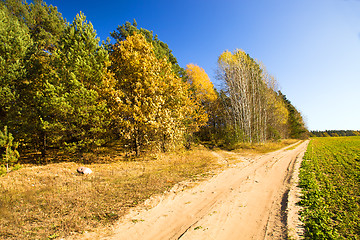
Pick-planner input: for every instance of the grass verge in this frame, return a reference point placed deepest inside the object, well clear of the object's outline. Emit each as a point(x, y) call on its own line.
point(52, 201)
point(260, 148)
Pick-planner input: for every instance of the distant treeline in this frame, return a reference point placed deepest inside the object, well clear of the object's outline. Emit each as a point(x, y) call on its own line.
point(62, 89)
point(334, 133)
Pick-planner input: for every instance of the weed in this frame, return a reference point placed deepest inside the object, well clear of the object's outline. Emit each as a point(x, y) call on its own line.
point(137, 220)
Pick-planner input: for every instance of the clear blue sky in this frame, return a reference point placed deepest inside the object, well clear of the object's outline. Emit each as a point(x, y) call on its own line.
point(312, 47)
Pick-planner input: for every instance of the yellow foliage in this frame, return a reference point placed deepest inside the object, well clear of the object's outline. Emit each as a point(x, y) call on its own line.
point(154, 105)
point(200, 81)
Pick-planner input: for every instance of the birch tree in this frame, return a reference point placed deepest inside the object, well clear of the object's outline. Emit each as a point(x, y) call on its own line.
point(255, 111)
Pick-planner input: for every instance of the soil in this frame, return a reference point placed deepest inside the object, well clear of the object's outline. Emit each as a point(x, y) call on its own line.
point(253, 199)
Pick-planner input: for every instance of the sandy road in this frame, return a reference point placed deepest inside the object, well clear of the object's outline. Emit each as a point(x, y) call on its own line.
point(246, 201)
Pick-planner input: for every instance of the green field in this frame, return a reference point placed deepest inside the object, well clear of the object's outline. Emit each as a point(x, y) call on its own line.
point(330, 182)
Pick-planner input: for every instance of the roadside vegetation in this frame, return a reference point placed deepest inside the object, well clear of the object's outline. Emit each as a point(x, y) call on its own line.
point(329, 178)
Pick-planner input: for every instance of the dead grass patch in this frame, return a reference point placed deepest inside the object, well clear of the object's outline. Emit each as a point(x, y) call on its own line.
point(53, 201)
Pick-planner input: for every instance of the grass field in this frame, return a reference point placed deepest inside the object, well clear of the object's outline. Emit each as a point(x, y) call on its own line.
point(330, 182)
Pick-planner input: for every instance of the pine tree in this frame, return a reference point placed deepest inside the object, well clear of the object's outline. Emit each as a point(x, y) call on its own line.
point(8, 148)
point(44, 25)
point(15, 39)
point(77, 108)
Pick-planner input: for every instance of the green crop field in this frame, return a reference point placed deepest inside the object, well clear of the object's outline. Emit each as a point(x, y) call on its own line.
point(330, 182)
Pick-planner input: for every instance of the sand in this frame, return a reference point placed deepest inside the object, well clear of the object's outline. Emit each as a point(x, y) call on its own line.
point(254, 199)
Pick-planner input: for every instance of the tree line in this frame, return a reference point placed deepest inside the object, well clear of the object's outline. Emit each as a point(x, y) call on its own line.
point(60, 88)
point(334, 133)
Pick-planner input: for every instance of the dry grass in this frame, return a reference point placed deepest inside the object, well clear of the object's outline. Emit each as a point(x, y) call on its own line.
point(53, 201)
point(260, 148)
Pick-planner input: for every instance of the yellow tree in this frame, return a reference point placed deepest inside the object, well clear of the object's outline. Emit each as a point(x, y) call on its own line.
point(153, 105)
point(200, 83)
point(204, 94)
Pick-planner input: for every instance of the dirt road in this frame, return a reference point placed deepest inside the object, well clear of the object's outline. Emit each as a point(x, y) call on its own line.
point(246, 201)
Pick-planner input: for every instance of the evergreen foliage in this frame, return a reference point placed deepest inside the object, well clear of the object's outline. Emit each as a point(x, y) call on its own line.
point(76, 110)
point(296, 124)
point(334, 133)
point(8, 148)
point(15, 39)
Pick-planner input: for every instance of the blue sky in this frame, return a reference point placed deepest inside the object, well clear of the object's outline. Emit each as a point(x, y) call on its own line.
point(312, 47)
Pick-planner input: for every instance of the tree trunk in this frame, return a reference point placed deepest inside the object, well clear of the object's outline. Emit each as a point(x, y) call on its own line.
point(43, 145)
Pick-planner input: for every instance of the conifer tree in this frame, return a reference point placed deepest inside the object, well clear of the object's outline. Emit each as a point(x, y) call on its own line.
point(77, 110)
point(296, 123)
point(15, 39)
point(44, 25)
point(9, 154)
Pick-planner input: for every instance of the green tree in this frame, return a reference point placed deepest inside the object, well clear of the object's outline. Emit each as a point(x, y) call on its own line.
point(74, 106)
point(8, 148)
point(296, 125)
point(15, 39)
point(44, 26)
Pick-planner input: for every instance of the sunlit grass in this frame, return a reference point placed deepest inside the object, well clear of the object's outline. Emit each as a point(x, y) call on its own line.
point(41, 202)
point(256, 148)
point(53, 201)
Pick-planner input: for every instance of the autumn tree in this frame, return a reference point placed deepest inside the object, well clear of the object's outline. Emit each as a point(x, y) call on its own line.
point(200, 83)
point(276, 113)
point(154, 108)
point(160, 48)
point(242, 76)
point(205, 95)
point(255, 111)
